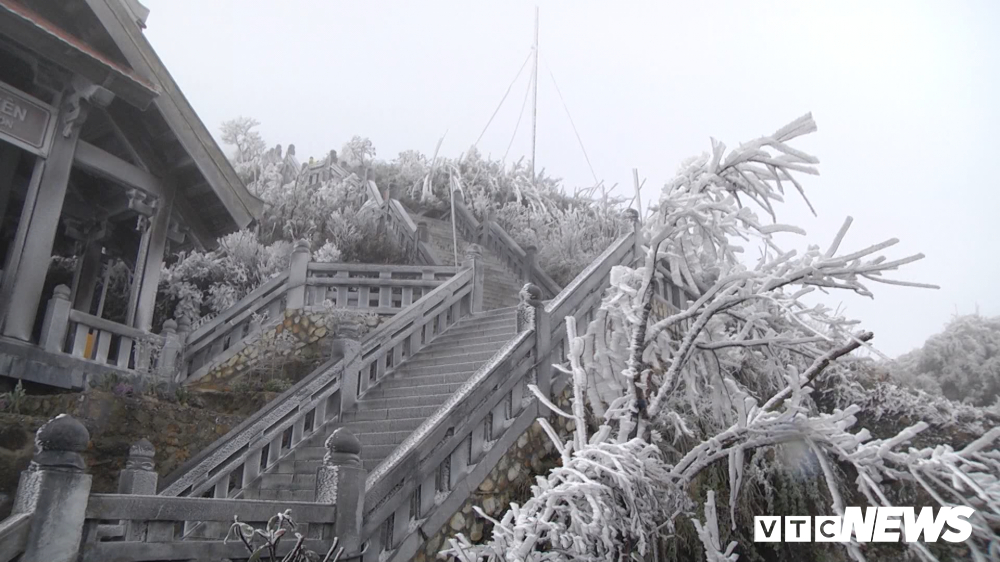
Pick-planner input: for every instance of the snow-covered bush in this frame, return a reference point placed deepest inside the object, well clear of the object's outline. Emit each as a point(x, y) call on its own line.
point(960, 363)
point(720, 395)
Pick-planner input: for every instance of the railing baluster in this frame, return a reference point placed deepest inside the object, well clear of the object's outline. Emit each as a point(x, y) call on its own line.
point(103, 345)
point(124, 352)
point(80, 341)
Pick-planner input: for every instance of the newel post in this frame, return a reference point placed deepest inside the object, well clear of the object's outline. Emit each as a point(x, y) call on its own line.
point(530, 258)
point(138, 478)
point(298, 269)
point(531, 313)
point(349, 350)
point(55, 489)
point(171, 351)
point(341, 481)
point(632, 216)
point(56, 320)
point(474, 261)
point(484, 229)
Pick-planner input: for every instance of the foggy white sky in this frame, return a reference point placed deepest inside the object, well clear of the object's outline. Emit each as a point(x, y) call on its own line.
point(905, 95)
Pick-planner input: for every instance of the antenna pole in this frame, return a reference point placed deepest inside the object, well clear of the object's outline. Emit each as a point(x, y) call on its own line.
point(534, 100)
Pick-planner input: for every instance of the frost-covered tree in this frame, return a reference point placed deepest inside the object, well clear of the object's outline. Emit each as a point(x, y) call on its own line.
point(249, 146)
point(961, 363)
point(742, 384)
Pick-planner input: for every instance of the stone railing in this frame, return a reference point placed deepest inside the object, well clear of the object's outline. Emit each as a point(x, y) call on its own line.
point(420, 485)
point(381, 289)
point(56, 518)
point(235, 460)
point(411, 238)
point(522, 262)
point(221, 338)
point(88, 337)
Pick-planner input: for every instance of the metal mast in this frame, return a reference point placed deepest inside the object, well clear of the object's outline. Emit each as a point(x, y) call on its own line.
point(534, 100)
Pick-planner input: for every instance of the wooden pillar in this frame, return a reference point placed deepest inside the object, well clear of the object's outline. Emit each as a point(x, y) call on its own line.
point(9, 157)
point(89, 274)
point(148, 281)
point(32, 251)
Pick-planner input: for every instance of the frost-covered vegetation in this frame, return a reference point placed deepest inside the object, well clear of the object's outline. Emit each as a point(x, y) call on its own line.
point(569, 230)
point(960, 363)
point(746, 401)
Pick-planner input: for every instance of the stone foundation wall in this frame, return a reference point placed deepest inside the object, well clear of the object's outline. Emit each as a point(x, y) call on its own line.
point(533, 454)
point(298, 330)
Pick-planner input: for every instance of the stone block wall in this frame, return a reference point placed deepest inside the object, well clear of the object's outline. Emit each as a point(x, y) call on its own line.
point(533, 454)
point(296, 331)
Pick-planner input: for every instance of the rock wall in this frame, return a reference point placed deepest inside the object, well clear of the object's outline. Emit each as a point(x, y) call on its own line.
point(115, 423)
point(298, 330)
point(533, 454)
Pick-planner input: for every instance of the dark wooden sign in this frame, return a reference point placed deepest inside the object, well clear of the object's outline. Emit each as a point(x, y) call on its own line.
point(25, 121)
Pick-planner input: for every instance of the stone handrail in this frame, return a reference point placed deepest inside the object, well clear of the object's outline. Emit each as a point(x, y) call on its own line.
point(110, 343)
point(146, 531)
point(237, 458)
point(494, 238)
point(298, 413)
point(454, 449)
point(381, 289)
point(460, 438)
point(403, 336)
point(218, 339)
point(406, 235)
point(14, 535)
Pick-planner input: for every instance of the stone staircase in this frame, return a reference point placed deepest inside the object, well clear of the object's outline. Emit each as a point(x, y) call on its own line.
point(501, 286)
point(388, 413)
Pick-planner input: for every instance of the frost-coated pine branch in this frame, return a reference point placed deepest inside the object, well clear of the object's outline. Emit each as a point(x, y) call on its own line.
point(730, 377)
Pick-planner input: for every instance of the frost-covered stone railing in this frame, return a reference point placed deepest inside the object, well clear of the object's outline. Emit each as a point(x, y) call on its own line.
point(380, 289)
point(522, 262)
point(88, 337)
point(230, 464)
point(223, 336)
point(14, 535)
point(410, 237)
point(56, 518)
point(310, 287)
point(415, 491)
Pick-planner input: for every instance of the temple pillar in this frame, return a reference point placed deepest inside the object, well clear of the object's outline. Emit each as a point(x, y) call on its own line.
point(89, 273)
point(32, 251)
point(9, 157)
point(150, 262)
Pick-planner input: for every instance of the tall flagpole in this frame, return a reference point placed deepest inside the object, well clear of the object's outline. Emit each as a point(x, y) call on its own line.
point(534, 101)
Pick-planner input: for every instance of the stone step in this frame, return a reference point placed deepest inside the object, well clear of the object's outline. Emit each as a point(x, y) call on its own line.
point(408, 380)
point(461, 339)
point(385, 391)
point(383, 426)
point(474, 332)
point(372, 403)
point(388, 414)
point(451, 348)
point(408, 371)
point(488, 322)
point(387, 438)
point(288, 495)
point(449, 356)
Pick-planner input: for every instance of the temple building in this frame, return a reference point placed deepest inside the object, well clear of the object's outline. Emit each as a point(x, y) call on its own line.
point(101, 158)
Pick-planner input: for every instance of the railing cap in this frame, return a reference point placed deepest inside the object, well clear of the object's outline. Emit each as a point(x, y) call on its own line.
point(301, 245)
point(631, 214)
point(473, 252)
point(61, 292)
point(140, 456)
point(530, 294)
point(59, 442)
point(343, 441)
point(169, 327)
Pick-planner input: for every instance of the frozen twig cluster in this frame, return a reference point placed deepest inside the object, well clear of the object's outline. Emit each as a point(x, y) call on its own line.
point(727, 374)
